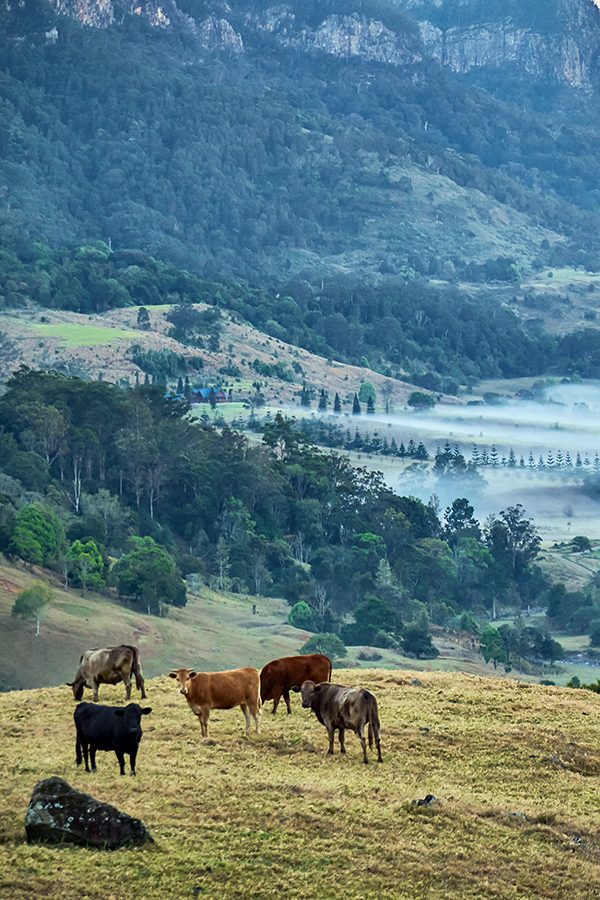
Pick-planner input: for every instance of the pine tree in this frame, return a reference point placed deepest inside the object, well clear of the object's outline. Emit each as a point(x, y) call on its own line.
point(586, 461)
point(596, 462)
point(411, 449)
point(187, 391)
point(541, 464)
point(568, 462)
point(494, 455)
point(180, 386)
point(578, 463)
point(531, 460)
point(550, 461)
point(402, 450)
point(475, 457)
point(559, 463)
point(393, 447)
point(356, 410)
point(512, 459)
point(370, 406)
point(485, 457)
point(146, 379)
point(305, 397)
point(337, 405)
point(322, 401)
point(385, 447)
point(521, 462)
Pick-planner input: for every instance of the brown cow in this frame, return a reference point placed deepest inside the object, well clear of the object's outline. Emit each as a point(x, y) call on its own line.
point(108, 665)
point(220, 690)
point(341, 707)
point(281, 676)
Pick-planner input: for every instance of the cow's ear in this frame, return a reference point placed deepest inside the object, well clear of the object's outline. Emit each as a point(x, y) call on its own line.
point(119, 712)
point(172, 674)
point(192, 674)
point(146, 710)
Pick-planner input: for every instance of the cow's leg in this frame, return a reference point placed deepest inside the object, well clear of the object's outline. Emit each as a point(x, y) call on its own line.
point(360, 732)
point(204, 714)
point(78, 754)
point(342, 735)
point(246, 711)
point(93, 757)
point(95, 690)
point(286, 697)
point(132, 759)
point(331, 738)
point(255, 710)
point(121, 758)
point(84, 747)
point(379, 756)
point(276, 700)
point(127, 681)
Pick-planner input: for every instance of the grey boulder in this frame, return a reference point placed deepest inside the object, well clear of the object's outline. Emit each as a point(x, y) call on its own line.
point(60, 814)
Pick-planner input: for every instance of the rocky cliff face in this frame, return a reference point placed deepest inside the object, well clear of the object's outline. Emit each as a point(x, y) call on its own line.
point(557, 40)
point(561, 46)
point(341, 36)
point(213, 32)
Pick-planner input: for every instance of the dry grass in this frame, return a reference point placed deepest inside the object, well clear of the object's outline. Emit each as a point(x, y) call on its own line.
point(514, 767)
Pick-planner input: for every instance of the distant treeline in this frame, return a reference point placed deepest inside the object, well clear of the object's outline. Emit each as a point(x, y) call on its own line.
point(327, 433)
point(391, 327)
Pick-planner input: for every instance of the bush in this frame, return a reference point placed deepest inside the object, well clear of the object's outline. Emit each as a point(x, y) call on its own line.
point(595, 633)
point(327, 643)
point(39, 535)
point(370, 655)
point(302, 615)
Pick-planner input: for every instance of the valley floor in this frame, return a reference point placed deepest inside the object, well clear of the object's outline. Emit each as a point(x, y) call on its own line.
point(514, 768)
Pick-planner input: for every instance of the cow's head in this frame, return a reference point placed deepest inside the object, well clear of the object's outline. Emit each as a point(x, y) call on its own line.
point(77, 686)
point(183, 677)
point(132, 716)
point(308, 693)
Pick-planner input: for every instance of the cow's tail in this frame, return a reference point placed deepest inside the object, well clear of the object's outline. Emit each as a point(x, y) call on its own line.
point(137, 670)
point(330, 669)
point(372, 717)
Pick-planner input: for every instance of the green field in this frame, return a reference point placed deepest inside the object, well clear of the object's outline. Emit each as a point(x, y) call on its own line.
point(83, 335)
point(513, 767)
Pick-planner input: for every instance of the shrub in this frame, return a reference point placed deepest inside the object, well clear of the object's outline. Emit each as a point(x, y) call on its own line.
point(327, 643)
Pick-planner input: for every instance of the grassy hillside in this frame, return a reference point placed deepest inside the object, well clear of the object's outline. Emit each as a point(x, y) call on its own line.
point(100, 345)
point(513, 766)
point(213, 631)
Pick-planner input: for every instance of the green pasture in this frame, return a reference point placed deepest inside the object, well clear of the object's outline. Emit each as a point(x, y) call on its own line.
point(74, 335)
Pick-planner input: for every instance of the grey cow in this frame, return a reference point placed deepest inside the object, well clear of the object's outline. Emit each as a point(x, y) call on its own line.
point(342, 707)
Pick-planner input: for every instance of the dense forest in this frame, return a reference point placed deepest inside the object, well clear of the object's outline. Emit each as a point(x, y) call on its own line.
point(279, 158)
point(118, 490)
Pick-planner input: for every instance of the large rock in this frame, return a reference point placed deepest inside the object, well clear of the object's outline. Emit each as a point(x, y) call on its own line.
point(59, 814)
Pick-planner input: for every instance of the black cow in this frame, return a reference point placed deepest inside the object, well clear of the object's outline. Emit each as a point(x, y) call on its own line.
point(109, 728)
point(341, 707)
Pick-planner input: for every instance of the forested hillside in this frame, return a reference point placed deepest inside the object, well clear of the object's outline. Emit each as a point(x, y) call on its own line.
point(119, 491)
point(284, 152)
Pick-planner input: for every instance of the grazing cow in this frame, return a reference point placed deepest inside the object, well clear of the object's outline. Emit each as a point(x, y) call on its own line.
point(220, 690)
point(341, 707)
point(109, 728)
point(281, 676)
point(108, 665)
